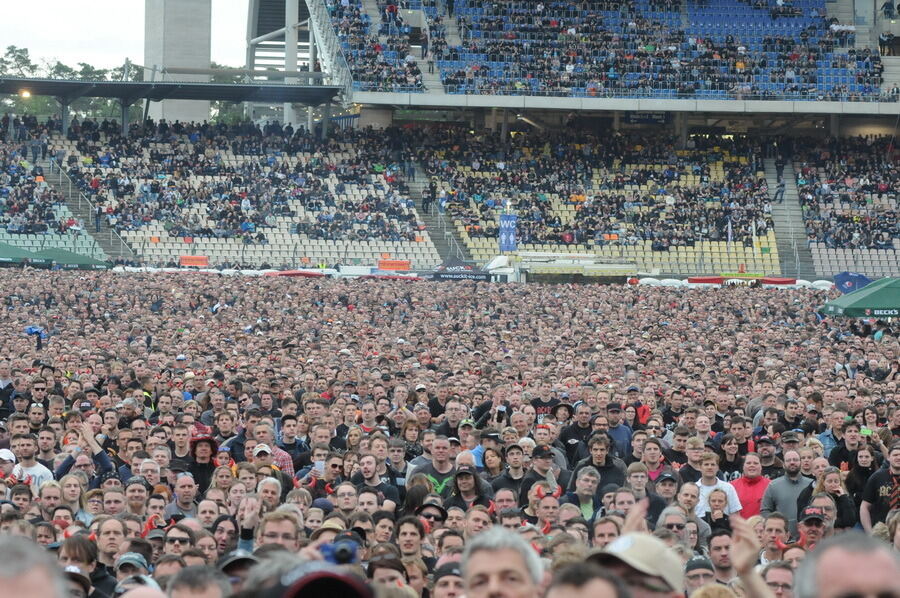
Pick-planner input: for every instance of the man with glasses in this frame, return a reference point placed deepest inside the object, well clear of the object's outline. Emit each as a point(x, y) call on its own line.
point(178, 539)
point(279, 528)
point(698, 572)
point(435, 514)
point(811, 525)
point(779, 576)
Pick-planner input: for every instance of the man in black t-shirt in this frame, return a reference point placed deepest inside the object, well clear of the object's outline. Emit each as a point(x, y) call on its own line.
point(882, 491)
point(544, 407)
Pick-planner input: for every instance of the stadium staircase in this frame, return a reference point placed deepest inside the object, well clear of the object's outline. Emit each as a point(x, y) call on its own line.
point(844, 12)
point(440, 229)
point(891, 72)
point(109, 240)
point(453, 36)
point(790, 233)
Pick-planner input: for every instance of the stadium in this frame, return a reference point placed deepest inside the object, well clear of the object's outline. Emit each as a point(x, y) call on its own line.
point(442, 298)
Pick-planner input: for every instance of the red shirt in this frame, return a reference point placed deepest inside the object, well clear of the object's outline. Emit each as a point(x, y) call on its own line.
point(750, 492)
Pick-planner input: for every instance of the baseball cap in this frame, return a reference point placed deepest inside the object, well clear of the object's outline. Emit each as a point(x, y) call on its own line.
point(437, 507)
point(235, 556)
point(647, 554)
point(261, 448)
point(632, 388)
point(765, 440)
point(78, 576)
point(467, 422)
point(318, 578)
point(465, 469)
point(812, 513)
point(698, 562)
point(323, 503)
point(666, 477)
point(132, 558)
point(447, 570)
point(421, 387)
point(542, 452)
point(7, 455)
point(156, 534)
point(614, 407)
point(790, 437)
point(85, 406)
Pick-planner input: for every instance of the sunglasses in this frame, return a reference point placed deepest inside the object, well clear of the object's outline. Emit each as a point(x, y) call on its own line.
point(180, 540)
point(432, 516)
point(676, 526)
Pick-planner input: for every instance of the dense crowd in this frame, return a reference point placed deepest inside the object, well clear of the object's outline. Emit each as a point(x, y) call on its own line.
point(848, 190)
point(379, 56)
point(27, 203)
point(284, 437)
point(632, 187)
point(183, 175)
point(568, 187)
point(599, 49)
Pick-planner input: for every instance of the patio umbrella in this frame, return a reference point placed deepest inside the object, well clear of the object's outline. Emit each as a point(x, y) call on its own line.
point(880, 299)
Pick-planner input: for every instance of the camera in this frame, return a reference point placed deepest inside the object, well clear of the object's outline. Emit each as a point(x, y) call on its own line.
point(342, 552)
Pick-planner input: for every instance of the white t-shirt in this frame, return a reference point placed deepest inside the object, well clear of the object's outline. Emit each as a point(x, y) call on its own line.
point(734, 503)
point(39, 474)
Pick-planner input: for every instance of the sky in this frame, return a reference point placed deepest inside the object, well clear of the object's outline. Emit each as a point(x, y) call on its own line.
point(103, 33)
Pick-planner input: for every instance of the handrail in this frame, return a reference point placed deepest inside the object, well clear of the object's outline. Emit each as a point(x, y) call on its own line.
point(81, 196)
point(332, 54)
point(450, 237)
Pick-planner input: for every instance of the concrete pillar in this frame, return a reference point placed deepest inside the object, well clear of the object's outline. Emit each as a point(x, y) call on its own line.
point(326, 120)
point(178, 33)
point(313, 50)
point(64, 113)
point(123, 115)
point(681, 128)
point(834, 125)
point(290, 54)
point(617, 121)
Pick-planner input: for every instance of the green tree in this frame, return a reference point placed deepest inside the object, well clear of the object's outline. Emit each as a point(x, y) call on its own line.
point(17, 62)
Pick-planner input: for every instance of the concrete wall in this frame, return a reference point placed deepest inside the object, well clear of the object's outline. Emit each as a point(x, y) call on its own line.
point(177, 33)
point(852, 127)
point(377, 118)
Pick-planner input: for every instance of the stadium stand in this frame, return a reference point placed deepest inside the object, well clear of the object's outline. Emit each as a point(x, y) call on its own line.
point(33, 216)
point(681, 211)
point(731, 49)
point(848, 190)
point(379, 55)
point(251, 197)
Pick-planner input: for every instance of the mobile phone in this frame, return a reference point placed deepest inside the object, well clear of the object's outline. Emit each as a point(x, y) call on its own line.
point(319, 466)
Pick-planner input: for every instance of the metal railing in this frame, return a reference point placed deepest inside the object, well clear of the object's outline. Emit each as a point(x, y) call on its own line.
point(115, 240)
point(330, 52)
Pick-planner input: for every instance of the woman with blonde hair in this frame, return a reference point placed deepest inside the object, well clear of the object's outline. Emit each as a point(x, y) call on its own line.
point(73, 485)
point(832, 484)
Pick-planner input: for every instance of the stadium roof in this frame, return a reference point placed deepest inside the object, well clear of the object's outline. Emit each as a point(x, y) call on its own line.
point(132, 91)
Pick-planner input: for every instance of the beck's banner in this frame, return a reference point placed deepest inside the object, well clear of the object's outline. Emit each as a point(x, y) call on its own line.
point(508, 232)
